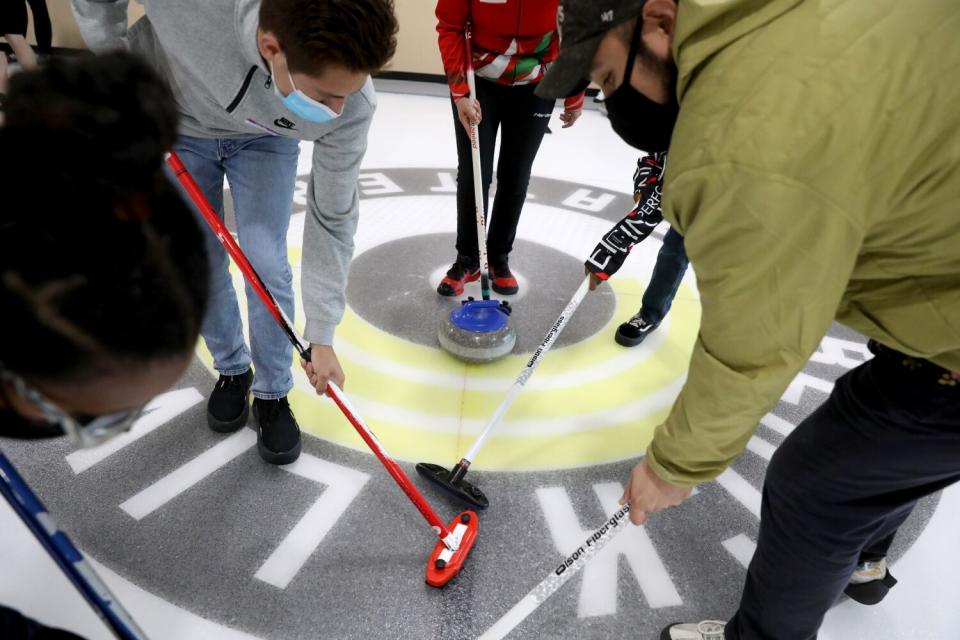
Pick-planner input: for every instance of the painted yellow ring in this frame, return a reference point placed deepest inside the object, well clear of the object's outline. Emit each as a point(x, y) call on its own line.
point(508, 448)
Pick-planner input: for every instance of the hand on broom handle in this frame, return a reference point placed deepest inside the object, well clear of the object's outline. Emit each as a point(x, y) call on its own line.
point(301, 345)
point(468, 112)
point(323, 367)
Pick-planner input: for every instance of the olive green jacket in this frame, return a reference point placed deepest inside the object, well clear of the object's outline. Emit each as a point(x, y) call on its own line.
point(815, 174)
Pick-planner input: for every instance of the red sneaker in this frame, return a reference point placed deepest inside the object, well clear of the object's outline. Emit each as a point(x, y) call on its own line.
point(456, 278)
point(503, 281)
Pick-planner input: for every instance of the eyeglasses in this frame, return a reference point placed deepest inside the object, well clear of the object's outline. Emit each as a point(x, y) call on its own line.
point(83, 433)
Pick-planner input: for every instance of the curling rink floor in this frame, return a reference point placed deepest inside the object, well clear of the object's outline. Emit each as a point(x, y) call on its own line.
point(202, 540)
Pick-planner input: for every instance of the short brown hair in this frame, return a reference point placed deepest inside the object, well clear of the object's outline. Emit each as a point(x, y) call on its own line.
point(360, 35)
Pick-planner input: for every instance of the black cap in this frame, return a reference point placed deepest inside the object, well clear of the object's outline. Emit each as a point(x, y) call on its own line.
point(583, 23)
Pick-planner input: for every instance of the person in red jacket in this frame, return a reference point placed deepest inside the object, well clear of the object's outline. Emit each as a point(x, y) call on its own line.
point(513, 44)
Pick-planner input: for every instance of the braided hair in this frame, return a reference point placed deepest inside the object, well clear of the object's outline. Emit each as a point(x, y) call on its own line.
point(102, 263)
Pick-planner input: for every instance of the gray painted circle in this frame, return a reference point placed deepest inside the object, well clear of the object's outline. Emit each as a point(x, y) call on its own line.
point(389, 288)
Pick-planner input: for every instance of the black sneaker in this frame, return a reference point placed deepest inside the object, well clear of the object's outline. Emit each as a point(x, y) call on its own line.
point(229, 403)
point(870, 582)
point(462, 272)
point(278, 434)
point(634, 331)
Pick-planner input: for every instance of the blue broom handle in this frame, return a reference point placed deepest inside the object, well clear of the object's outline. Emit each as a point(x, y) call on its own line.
point(26, 505)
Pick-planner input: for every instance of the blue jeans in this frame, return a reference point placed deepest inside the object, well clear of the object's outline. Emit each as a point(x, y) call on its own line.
point(261, 172)
point(667, 274)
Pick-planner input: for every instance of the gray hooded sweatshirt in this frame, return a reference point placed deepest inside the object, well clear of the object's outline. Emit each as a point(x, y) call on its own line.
point(208, 52)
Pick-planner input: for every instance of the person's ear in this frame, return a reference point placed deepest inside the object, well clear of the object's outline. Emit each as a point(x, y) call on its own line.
point(268, 44)
point(660, 17)
point(659, 20)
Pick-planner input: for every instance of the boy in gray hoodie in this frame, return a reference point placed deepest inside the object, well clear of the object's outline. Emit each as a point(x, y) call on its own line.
point(252, 78)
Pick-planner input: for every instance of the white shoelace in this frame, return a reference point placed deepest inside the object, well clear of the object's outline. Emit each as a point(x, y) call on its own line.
point(636, 321)
point(711, 629)
point(869, 571)
point(640, 324)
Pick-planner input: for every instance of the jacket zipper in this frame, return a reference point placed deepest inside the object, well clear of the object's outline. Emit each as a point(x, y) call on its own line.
point(243, 90)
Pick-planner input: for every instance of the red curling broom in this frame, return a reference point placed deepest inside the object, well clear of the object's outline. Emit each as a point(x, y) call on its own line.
point(457, 540)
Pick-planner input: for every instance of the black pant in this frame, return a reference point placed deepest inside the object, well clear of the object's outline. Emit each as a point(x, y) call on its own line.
point(841, 484)
point(42, 28)
point(523, 118)
point(16, 626)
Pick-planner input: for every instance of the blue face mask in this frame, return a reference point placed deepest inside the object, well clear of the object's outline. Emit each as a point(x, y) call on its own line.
point(301, 104)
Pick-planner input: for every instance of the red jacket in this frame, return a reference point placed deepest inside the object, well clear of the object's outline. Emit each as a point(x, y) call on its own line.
point(514, 41)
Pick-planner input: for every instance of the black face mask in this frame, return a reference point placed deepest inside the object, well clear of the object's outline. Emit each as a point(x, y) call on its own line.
point(638, 120)
point(14, 425)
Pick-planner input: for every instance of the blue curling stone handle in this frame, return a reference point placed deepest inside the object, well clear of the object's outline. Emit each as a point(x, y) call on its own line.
point(481, 316)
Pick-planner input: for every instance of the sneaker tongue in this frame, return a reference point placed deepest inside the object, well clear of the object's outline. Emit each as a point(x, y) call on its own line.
point(457, 271)
point(467, 263)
